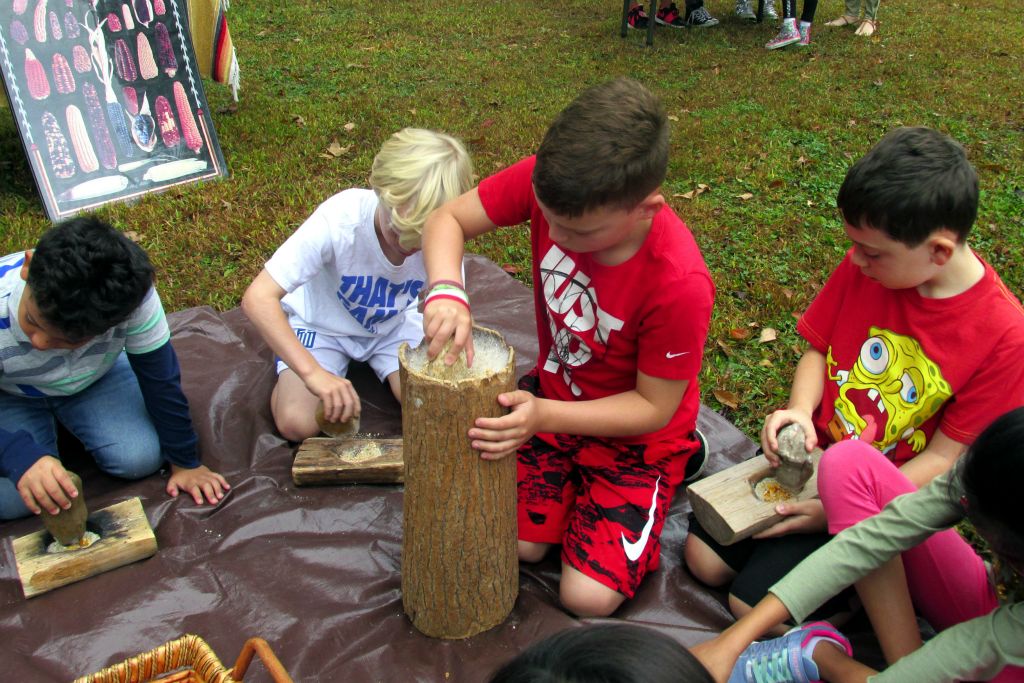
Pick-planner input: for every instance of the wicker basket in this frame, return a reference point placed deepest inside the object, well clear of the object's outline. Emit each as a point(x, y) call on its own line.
point(188, 660)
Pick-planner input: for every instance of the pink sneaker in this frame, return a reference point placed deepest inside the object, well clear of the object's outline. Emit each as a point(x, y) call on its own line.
point(788, 35)
point(805, 35)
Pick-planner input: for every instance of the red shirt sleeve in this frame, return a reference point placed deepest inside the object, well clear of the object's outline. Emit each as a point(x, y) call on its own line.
point(819, 320)
point(507, 196)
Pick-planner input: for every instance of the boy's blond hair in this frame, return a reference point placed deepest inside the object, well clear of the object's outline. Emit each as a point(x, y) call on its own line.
point(415, 172)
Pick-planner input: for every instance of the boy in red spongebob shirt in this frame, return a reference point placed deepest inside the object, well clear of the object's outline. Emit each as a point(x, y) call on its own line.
point(623, 302)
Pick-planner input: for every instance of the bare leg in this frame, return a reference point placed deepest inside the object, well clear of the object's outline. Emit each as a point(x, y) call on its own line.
point(532, 552)
point(835, 667)
point(585, 597)
point(294, 407)
point(396, 385)
point(705, 564)
point(887, 602)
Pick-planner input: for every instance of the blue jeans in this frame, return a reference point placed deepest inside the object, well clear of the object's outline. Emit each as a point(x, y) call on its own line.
point(109, 418)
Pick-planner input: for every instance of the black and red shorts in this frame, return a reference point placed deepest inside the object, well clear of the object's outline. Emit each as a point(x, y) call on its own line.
point(601, 501)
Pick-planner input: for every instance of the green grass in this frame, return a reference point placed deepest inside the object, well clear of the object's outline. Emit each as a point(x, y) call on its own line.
point(783, 126)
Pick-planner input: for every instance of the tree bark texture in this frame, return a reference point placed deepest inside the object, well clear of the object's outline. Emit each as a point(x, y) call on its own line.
point(460, 571)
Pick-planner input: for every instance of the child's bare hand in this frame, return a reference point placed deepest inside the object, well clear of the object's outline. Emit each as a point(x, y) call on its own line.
point(775, 422)
point(341, 402)
point(198, 482)
point(47, 486)
point(497, 437)
point(444, 320)
point(802, 517)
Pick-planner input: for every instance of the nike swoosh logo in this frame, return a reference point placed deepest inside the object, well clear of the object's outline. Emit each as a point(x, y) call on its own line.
point(635, 550)
point(668, 354)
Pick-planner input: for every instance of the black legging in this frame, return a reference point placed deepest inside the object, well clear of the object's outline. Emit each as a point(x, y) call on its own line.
point(789, 10)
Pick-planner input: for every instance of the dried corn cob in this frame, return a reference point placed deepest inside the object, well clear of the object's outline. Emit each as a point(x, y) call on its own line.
point(143, 11)
point(97, 187)
point(80, 140)
point(165, 51)
point(71, 27)
point(124, 62)
point(81, 59)
point(144, 127)
point(126, 13)
point(124, 139)
point(19, 32)
point(189, 129)
point(131, 100)
point(174, 169)
point(55, 29)
point(39, 21)
point(57, 145)
point(113, 22)
point(35, 76)
point(158, 7)
point(98, 123)
point(147, 65)
point(63, 79)
point(165, 123)
point(20, 6)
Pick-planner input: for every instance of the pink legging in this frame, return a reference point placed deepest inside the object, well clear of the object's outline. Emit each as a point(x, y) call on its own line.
point(948, 581)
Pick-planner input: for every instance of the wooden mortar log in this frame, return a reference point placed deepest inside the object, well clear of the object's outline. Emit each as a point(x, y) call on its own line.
point(68, 526)
point(460, 571)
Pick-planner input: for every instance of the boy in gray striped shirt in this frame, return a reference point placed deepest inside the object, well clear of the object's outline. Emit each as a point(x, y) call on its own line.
point(84, 342)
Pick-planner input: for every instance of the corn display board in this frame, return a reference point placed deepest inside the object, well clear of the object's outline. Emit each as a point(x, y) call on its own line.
point(107, 98)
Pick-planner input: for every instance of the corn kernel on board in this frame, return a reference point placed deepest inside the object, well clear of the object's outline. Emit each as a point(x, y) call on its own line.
point(107, 98)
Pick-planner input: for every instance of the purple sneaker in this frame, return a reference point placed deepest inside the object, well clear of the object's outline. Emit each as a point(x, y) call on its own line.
point(787, 659)
point(788, 35)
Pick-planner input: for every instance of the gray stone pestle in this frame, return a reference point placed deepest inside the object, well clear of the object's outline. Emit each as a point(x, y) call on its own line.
point(68, 526)
point(797, 464)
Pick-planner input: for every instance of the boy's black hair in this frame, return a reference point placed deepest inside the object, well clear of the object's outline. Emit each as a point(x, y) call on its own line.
point(87, 277)
point(912, 183)
point(992, 474)
point(609, 147)
point(607, 653)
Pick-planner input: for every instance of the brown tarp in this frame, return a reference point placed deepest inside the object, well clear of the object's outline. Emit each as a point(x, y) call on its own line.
point(314, 571)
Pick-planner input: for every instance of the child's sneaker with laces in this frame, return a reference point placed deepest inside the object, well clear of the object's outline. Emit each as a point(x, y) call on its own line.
point(637, 18)
point(805, 35)
point(700, 18)
point(769, 10)
point(788, 659)
point(787, 35)
point(745, 11)
point(669, 16)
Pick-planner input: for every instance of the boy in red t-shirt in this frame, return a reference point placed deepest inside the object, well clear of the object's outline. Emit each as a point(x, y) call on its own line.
point(623, 302)
point(916, 346)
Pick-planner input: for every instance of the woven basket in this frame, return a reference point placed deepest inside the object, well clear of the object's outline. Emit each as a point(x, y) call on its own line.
point(188, 660)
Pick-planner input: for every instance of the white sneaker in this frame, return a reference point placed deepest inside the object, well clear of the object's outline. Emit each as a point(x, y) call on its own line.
point(745, 11)
point(769, 10)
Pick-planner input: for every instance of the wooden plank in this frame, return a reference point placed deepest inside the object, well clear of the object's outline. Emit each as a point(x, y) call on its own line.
point(125, 537)
point(348, 460)
point(726, 506)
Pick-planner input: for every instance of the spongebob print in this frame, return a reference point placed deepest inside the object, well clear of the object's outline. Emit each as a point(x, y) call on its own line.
point(891, 390)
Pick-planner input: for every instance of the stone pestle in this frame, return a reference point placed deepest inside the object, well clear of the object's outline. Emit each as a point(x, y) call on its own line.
point(68, 526)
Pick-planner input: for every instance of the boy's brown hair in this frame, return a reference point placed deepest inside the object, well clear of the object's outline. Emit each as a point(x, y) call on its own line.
point(608, 148)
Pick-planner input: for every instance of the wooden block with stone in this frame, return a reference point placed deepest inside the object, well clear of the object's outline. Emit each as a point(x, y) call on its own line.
point(348, 460)
point(727, 503)
point(124, 537)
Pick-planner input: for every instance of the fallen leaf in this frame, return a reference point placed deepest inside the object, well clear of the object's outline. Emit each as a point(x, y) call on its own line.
point(134, 236)
point(879, 83)
point(510, 268)
point(487, 123)
point(335, 149)
point(349, 126)
point(413, 112)
point(226, 204)
point(672, 117)
point(778, 182)
point(298, 121)
point(725, 347)
point(803, 160)
point(788, 293)
point(296, 40)
point(810, 203)
point(745, 196)
point(263, 32)
point(765, 363)
point(739, 333)
point(727, 398)
point(768, 334)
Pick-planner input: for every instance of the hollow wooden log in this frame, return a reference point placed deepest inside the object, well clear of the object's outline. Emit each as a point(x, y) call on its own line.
point(348, 460)
point(460, 572)
point(727, 507)
point(125, 537)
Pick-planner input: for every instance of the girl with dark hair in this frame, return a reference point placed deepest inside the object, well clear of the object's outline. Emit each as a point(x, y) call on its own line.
point(900, 553)
point(608, 653)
